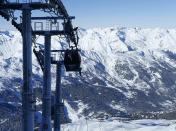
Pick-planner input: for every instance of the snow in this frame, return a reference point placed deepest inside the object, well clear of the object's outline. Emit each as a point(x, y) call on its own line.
point(118, 107)
point(73, 115)
point(114, 125)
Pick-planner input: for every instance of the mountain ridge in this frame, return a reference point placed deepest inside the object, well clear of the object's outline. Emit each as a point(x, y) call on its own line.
point(124, 71)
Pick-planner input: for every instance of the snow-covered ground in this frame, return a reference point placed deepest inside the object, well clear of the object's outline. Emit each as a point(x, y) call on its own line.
point(136, 125)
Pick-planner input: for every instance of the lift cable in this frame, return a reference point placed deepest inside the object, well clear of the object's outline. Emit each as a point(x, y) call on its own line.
point(59, 8)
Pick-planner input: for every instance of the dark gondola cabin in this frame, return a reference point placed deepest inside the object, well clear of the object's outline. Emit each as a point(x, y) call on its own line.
point(72, 60)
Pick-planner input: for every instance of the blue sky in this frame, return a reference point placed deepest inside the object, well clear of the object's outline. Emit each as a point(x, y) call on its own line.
point(126, 13)
point(130, 13)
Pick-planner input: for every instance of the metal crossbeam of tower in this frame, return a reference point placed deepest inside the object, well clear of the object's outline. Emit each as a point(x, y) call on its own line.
point(52, 6)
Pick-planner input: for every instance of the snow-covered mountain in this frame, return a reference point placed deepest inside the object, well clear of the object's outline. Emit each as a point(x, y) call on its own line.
point(124, 71)
point(127, 70)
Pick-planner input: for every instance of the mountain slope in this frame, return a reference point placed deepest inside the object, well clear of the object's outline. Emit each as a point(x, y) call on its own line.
point(125, 71)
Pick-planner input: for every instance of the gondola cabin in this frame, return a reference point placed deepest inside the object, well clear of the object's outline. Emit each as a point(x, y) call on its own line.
point(72, 60)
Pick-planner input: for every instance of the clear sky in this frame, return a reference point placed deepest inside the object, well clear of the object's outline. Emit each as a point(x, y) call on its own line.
point(130, 13)
point(126, 13)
